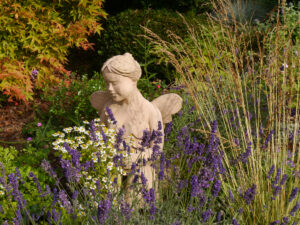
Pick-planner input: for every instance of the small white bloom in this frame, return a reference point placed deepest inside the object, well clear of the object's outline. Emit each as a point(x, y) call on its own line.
point(94, 180)
point(84, 173)
point(93, 186)
point(95, 159)
point(84, 146)
point(104, 179)
point(89, 177)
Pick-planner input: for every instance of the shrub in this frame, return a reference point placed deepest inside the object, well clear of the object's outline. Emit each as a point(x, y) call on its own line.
point(124, 34)
point(35, 37)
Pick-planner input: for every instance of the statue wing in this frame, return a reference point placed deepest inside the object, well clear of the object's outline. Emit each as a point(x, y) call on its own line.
point(98, 100)
point(168, 105)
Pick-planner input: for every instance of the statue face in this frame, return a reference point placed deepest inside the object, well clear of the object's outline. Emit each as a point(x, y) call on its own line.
point(119, 87)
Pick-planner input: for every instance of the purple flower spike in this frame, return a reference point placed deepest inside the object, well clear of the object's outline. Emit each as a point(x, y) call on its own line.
point(206, 214)
point(293, 194)
point(234, 222)
point(216, 188)
point(244, 156)
point(111, 115)
point(294, 209)
point(103, 211)
point(271, 171)
point(125, 209)
point(250, 194)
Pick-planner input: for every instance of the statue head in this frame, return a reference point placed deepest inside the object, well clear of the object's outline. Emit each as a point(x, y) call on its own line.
point(121, 74)
point(124, 65)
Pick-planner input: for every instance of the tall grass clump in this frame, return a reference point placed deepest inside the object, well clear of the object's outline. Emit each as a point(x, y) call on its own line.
point(246, 78)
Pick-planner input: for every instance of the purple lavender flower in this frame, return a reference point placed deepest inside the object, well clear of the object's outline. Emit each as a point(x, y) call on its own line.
point(271, 171)
point(195, 187)
point(55, 215)
point(75, 156)
point(294, 209)
point(168, 128)
point(230, 195)
point(206, 214)
point(146, 139)
point(285, 220)
point(70, 172)
point(143, 179)
point(48, 168)
point(293, 194)
point(269, 137)
point(110, 115)
point(119, 137)
point(103, 136)
point(47, 192)
point(283, 180)
point(216, 188)
point(277, 177)
point(276, 191)
point(219, 216)
point(64, 200)
point(36, 181)
point(103, 211)
point(250, 194)
point(93, 136)
point(75, 195)
point(125, 209)
point(275, 222)
point(244, 156)
point(234, 222)
point(176, 223)
point(162, 167)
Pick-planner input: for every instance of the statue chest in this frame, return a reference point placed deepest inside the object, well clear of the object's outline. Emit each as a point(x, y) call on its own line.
point(134, 120)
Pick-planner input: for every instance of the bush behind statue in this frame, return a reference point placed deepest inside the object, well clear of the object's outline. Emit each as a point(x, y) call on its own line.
point(122, 33)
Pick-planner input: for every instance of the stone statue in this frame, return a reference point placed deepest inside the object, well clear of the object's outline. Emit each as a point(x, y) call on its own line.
point(131, 110)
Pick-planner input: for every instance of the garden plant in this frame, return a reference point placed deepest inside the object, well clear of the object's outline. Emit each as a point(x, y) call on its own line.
point(231, 155)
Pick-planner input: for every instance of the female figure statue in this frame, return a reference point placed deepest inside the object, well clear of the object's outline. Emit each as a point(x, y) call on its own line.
point(131, 110)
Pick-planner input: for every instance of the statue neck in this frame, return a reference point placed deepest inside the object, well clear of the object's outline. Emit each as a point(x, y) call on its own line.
point(134, 99)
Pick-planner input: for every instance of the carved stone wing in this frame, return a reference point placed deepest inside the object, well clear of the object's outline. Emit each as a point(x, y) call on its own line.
point(168, 105)
point(98, 100)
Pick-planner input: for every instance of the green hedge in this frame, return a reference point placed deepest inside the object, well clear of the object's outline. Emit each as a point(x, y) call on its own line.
point(122, 33)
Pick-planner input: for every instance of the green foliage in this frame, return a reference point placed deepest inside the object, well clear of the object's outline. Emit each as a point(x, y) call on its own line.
point(124, 34)
point(27, 160)
point(69, 105)
point(36, 35)
point(197, 6)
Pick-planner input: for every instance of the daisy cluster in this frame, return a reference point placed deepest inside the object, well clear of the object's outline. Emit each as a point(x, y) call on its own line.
point(100, 160)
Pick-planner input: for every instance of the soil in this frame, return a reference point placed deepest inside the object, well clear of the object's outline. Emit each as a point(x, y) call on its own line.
point(12, 120)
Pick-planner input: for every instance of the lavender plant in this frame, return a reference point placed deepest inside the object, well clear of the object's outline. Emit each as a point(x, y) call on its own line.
point(253, 94)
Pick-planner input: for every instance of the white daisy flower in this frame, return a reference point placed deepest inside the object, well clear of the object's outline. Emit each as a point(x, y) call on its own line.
point(84, 146)
point(104, 179)
point(89, 177)
point(94, 180)
point(84, 173)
